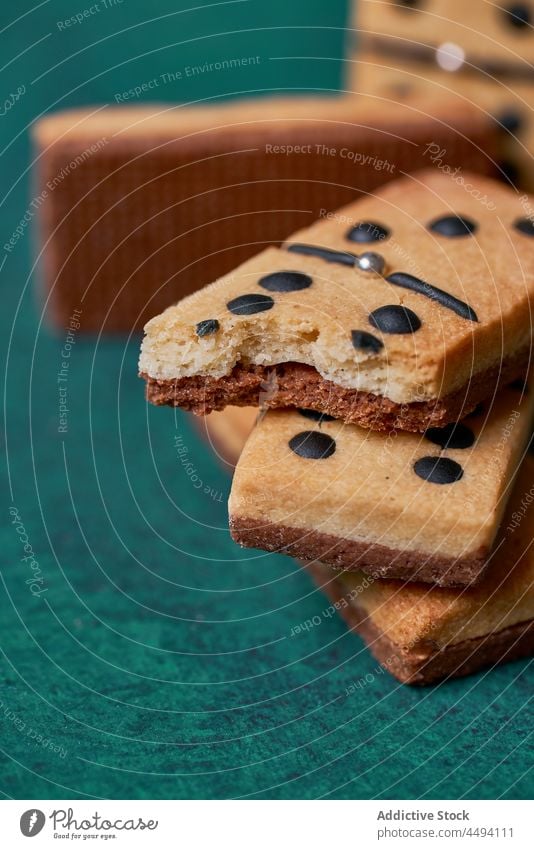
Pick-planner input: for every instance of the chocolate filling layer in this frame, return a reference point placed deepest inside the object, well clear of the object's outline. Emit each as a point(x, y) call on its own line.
point(298, 385)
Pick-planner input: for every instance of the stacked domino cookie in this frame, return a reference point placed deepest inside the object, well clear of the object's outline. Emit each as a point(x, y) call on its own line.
point(386, 351)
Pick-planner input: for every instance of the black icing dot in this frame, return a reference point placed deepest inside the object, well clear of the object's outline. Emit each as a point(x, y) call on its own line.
point(518, 15)
point(367, 231)
point(312, 445)
point(524, 226)
point(250, 304)
point(315, 415)
point(285, 281)
point(510, 120)
point(508, 172)
point(395, 319)
point(520, 385)
point(364, 341)
point(453, 226)
point(438, 470)
point(204, 328)
point(410, 4)
point(451, 436)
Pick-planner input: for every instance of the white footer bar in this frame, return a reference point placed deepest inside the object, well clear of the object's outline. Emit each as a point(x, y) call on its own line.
point(267, 824)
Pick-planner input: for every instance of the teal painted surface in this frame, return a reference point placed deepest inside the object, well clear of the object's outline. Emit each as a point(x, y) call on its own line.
point(159, 660)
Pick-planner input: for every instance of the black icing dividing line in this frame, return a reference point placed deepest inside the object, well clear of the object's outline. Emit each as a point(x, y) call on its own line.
point(398, 278)
point(414, 284)
point(427, 54)
point(340, 257)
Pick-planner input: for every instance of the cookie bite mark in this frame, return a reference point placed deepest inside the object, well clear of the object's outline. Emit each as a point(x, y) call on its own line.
point(339, 257)
point(312, 445)
point(440, 470)
point(250, 304)
point(367, 231)
point(456, 435)
point(421, 287)
point(393, 318)
point(285, 281)
point(207, 327)
point(453, 226)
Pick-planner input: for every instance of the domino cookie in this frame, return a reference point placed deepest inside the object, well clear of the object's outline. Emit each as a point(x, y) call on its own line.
point(423, 634)
point(404, 309)
point(480, 51)
point(497, 38)
point(420, 508)
point(509, 104)
point(142, 205)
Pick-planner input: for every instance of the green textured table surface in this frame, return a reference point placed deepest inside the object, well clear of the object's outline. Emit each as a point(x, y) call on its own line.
point(158, 659)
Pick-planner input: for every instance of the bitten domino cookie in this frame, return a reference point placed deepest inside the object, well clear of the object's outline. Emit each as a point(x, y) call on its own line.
point(403, 310)
point(423, 634)
point(421, 508)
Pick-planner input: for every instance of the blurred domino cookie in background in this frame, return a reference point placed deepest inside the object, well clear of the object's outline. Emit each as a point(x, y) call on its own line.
point(481, 51)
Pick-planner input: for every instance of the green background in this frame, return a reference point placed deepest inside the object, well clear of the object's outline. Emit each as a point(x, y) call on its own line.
point(160, 660)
